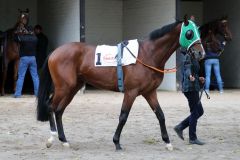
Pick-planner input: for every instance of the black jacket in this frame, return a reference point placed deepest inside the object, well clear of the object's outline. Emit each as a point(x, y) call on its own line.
point(190, 67)
point(28, 44)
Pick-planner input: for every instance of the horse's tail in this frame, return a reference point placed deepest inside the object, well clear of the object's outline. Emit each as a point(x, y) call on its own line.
point(44, 91)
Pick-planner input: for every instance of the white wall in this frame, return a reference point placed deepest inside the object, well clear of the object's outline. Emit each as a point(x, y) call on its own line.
point(230, 59)
point(140, 17)
point(9, 12)
point(60, 21)
point(103, 21)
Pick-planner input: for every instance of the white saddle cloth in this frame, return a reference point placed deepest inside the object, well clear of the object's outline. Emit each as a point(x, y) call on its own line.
point(107, 55)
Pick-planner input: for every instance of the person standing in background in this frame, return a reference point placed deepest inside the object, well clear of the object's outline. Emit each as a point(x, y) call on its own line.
point(42, 45)
point(27, 51)
point(212, 61)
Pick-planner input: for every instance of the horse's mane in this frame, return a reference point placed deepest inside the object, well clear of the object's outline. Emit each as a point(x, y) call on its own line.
point(158, 33)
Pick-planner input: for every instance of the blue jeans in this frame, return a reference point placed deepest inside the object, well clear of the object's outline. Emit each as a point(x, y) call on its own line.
point(25, 63)
point(209, 63)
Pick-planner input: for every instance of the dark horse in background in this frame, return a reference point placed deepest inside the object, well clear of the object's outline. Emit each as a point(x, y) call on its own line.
point(68, 68)
point(213, 35)
point(218, 28)
point(11, 47)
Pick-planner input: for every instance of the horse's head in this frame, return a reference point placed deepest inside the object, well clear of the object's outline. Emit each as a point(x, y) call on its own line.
point(190, 39)
point(23, 16)
point(223, 28)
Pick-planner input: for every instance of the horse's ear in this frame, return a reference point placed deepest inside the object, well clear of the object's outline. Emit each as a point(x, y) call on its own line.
point(186, 20)
point(19, 10)
point(27, 10)
point(192, 18)
point(224, 17)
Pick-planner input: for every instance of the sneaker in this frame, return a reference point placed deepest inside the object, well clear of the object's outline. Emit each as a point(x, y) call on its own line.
point(221, 92)
point(196, 141)
point(15, 96)
point(179, 132)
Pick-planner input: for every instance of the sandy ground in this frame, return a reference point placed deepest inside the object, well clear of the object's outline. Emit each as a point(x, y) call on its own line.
point(91, 119)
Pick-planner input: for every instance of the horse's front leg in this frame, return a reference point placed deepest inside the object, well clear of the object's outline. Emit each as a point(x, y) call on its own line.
point(128, 100)
point(15, 74)
point(153, 102)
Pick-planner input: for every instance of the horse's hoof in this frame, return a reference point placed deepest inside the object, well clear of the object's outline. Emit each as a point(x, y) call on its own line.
point(50, 140)
point(66, 144)
point(169, 146)
point(49, 144)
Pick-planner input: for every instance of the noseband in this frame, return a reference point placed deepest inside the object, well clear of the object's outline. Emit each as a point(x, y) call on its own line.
point(191, 51)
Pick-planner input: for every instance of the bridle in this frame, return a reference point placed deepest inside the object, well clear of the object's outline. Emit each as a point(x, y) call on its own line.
point(191, 51)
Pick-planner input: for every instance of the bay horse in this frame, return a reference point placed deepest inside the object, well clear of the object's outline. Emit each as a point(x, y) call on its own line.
point(11, 48)
point(71, 65)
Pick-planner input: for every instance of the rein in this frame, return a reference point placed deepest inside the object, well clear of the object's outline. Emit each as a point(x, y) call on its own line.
point(201, 93)
point(151, 67)
point(171, 70)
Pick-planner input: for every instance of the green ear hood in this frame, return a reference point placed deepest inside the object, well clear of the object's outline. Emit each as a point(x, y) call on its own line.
point(187, 43)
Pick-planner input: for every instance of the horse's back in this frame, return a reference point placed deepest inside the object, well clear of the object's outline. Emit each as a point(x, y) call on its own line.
point(70, 49)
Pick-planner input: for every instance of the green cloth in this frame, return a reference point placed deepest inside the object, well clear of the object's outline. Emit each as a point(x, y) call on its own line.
point(184, 42)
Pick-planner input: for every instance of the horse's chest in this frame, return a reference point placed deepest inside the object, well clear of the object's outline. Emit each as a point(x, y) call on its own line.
point(154, 80)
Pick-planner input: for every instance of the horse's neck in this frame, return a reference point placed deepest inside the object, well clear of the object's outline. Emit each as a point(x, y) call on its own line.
point(165, 46)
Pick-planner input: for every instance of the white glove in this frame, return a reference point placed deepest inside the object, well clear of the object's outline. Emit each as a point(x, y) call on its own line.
point(224, 43)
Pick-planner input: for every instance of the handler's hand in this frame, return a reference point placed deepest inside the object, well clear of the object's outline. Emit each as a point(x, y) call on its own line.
point(202, 79)
point(191, 78)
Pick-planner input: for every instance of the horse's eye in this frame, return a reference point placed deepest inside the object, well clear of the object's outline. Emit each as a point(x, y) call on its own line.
point(189, 34)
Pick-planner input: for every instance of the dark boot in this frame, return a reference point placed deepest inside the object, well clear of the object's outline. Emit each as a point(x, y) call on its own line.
point(179, 132)
point(196, 141)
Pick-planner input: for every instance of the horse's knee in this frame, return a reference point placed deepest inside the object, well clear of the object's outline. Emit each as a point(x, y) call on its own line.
point(123, 117)
point(160, 115)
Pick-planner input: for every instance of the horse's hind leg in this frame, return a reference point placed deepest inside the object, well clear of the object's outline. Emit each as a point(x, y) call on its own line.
point(61, 99)
point(153, 102)
point(128, 100)
point(53, 130)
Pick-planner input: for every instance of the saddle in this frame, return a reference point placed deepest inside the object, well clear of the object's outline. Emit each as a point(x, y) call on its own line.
point(106, 55)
